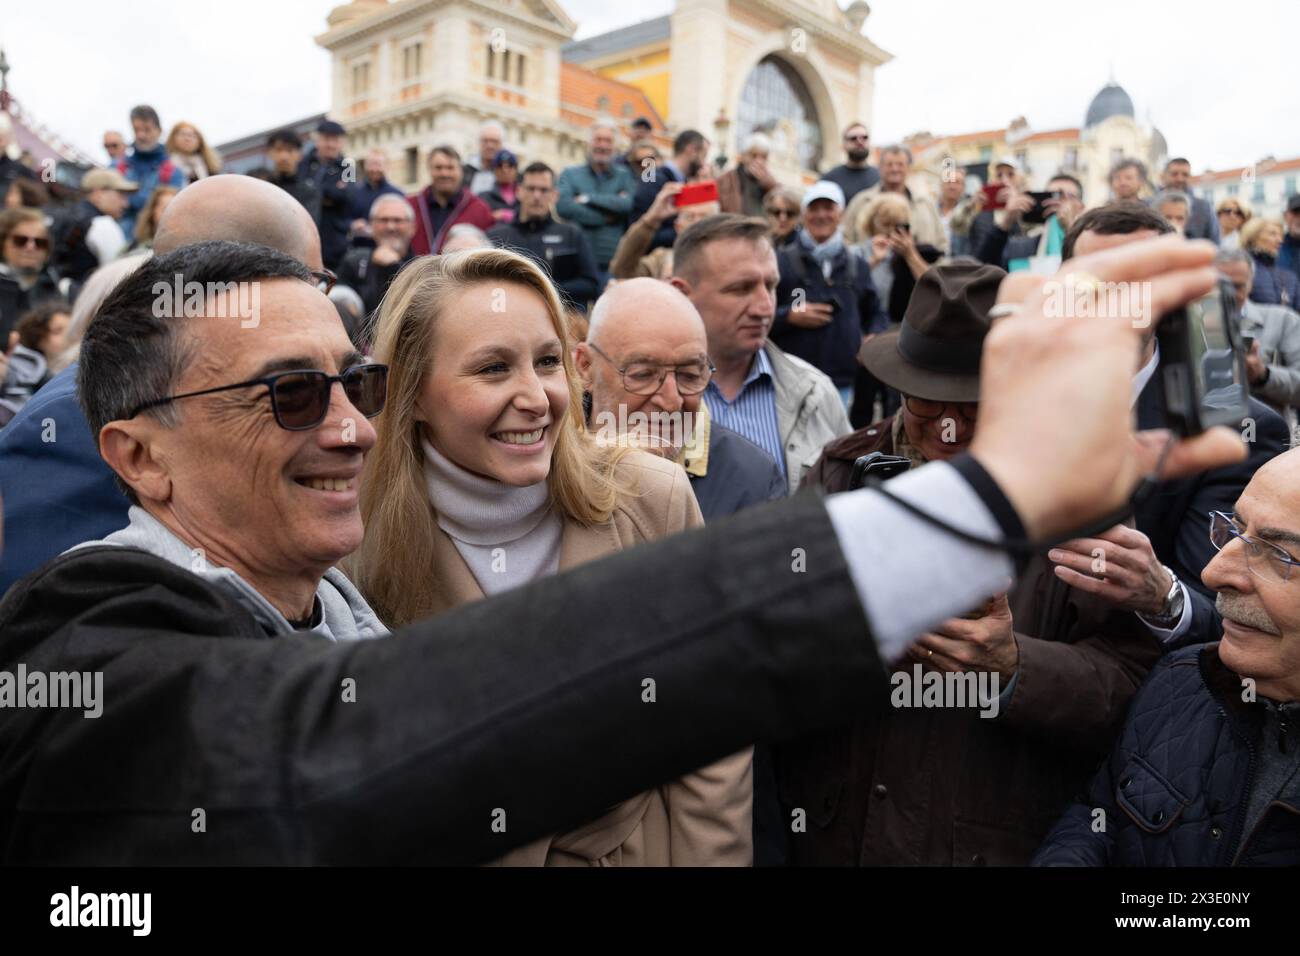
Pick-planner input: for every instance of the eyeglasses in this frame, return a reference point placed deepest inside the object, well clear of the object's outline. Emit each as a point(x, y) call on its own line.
point(300, 399)
point(1263, 559)
point(22, 242)
point(783, 213)
point(325, 279)
point(927, 410)
point(646, 378)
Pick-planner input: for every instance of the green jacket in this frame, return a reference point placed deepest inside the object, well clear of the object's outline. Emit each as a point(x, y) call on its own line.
point(604, 216)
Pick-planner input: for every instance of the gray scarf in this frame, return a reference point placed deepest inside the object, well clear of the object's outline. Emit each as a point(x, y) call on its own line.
point(824, 253)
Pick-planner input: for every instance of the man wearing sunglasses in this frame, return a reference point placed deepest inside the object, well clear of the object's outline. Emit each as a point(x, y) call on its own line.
point(77, 498)
point(855, 174)
point(1207, 769)
point(416, 748)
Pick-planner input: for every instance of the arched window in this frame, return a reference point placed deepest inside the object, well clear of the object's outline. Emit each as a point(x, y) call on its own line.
point(775, 92)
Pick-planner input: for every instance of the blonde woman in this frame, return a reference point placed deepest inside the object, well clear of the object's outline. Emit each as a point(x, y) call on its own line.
point(146, 224)
point(896, 261)
point(1273, 285)
point(188, 150)
point(482, 479)
point(1233, 214)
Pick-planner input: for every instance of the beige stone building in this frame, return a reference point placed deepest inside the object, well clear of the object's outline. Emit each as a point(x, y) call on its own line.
point(410, 74)
point(1110, 131)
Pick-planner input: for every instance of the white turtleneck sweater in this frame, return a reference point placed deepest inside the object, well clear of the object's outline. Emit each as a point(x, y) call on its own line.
point(508, 536)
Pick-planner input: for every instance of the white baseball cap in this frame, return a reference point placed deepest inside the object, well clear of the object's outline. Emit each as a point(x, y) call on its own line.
point(823, 189)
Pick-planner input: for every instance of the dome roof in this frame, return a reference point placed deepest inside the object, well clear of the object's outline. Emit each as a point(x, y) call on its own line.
point(1111, 101)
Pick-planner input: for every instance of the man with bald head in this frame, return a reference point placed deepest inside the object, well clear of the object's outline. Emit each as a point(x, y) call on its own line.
point(645, 366)
point(57, 490)
point(1207, 770)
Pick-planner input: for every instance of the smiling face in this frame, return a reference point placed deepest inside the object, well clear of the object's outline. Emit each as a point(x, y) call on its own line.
point(821, 219)
point(894, 168)
point(645, 324)
point(232, 474)
point(601, 146)
point(496, 391)
point(1261, 617)
point(445, 171)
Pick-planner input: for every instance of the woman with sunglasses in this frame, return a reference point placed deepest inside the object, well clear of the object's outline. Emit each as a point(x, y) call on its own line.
point(483, 479)
point(26, 279)
point(781, 206)
point(1233, 214)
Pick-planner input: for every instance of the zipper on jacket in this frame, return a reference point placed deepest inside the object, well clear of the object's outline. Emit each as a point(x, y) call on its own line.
point(1239, 821)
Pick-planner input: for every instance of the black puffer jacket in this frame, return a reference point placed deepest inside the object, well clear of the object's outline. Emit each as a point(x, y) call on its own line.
point(1176, 787)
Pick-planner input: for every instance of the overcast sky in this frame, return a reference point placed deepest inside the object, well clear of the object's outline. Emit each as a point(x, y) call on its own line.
point(1222, 90)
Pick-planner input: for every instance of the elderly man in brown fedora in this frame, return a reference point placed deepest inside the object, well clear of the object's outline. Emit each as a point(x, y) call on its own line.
point(1051, 669)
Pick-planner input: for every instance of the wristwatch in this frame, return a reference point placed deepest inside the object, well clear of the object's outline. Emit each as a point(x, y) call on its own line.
point(1173, 606)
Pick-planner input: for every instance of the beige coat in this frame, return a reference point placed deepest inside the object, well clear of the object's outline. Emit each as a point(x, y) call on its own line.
point(927, 227)
point(701, 819)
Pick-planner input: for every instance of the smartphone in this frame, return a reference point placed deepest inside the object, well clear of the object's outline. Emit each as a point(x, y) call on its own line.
point(991, 195)
point(1203, 365)
point(695, 193)
point(1038, 215)
point(875, 466)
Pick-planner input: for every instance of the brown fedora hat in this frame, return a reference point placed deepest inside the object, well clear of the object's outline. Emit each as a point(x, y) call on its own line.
point(935, 353)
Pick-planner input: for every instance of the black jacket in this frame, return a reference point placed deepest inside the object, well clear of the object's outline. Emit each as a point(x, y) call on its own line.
point(833, 348)
point(562, 250)
point(505, 703)
point(1175, 790)
point(70, 255)
point(15, 301)
point(302, 188)
point(739, 476)
point(335, 204)
point(364, 277)
point(646, 191)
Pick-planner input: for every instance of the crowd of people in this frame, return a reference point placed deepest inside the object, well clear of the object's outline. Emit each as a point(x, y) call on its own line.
point(540, 370)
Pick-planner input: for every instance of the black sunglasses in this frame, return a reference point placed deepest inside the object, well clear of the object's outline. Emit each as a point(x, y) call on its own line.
point(300, 399)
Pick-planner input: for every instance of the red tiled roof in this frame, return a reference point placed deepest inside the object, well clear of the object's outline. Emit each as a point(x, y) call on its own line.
point(581, 91)
point(1048, 135)
point(1262, 169)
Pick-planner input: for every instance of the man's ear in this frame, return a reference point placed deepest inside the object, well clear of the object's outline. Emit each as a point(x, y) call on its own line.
point(582, 365)
point(130, 448)
point(681, 285)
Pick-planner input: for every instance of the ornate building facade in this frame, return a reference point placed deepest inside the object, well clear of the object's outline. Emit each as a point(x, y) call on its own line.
point(410, 74)
point(1110, 132)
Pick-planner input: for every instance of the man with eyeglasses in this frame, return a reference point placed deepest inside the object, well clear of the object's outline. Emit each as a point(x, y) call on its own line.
point(77, 498)
point(855, 174)
point(372, 263)
point(1066, 663)
point(243, 445)
point(1154, 568)
point(645, 366)
point(1273, 359)
point(1207, 769)
point(114, 146)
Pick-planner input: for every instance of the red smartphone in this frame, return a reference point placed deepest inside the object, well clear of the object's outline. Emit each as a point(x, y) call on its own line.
point(697, 193)
point(991, 195)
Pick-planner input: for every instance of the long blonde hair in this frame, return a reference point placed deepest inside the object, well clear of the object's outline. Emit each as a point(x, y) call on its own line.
point(203, 151)
point(394, 567)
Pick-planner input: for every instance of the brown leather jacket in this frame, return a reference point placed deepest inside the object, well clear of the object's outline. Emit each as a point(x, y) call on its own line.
point(946, 786)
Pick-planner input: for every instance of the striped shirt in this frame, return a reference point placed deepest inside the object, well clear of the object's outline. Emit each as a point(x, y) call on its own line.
point(753, 413)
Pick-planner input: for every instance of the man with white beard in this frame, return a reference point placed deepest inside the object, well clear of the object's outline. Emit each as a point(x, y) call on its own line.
point(1207, 769)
